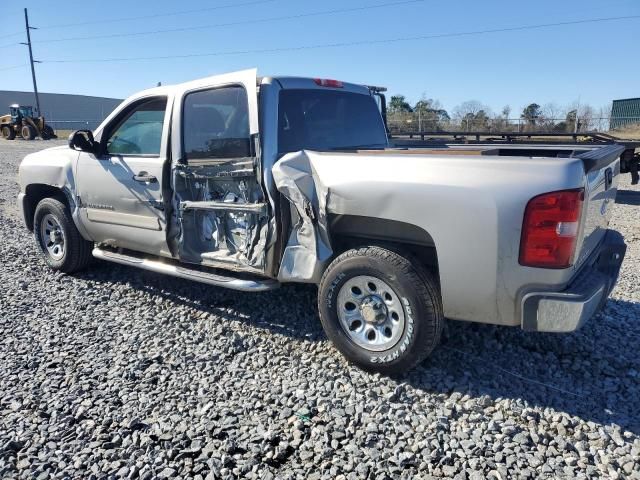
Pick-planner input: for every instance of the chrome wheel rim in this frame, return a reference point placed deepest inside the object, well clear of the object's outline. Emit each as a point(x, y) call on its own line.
point(370, 313)
point(52, 236)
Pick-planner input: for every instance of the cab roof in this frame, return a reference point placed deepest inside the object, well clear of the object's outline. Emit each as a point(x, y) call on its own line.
point(285, 81)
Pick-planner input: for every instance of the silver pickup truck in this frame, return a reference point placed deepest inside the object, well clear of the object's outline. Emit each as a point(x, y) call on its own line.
point(248, 182)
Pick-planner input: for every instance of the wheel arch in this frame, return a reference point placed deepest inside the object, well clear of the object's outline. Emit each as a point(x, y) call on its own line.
point(349, 231)
point(35, 193)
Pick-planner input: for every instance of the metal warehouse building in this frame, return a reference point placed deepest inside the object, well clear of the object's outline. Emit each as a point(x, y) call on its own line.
point(625, 112)
point(62, 111)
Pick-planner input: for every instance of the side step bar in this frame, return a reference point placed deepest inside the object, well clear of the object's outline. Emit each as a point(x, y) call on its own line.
point(252, 285)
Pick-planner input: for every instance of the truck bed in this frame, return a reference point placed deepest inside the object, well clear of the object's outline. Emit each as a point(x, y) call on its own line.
point(484, 188)
point(520, 150)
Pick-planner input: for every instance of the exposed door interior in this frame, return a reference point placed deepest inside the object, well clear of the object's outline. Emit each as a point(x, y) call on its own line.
point(222, 215)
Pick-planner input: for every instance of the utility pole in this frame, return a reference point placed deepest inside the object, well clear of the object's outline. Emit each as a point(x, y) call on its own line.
point(575, 125)
point(33, 71)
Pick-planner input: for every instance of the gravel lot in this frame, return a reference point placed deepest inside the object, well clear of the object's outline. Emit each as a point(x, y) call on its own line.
point(118, 373)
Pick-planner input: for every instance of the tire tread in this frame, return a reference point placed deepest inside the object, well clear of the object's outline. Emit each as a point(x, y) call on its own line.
point(78, 250)
point(424, 283)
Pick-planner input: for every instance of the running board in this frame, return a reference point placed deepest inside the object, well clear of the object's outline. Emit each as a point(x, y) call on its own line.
point(251, 285)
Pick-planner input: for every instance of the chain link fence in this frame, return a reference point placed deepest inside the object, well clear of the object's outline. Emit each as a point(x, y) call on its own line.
point(415, 123)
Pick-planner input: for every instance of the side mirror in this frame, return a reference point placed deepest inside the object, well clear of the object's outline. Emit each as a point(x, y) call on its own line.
point(82, 140)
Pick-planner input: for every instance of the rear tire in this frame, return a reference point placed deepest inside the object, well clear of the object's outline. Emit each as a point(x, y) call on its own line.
point(381, 311)
point(59, 240)
point(48, 133)
point(8, 133)
point(27, 132)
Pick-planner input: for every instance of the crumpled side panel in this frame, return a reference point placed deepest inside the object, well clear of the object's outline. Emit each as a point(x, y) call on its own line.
point(308, 248)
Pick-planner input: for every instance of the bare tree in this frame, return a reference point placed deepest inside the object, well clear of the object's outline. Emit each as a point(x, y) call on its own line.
point(604, 118)
point(552, 114)
point(470, 106)
point(472, 114)
point(583, 116)
point(501, 121)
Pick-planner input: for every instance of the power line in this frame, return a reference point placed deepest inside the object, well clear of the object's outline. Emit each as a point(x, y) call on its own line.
point(9, 44)
point(12, 67)
point(11, 34)
point(356, 43)
point(239, 22)
point(156, 15)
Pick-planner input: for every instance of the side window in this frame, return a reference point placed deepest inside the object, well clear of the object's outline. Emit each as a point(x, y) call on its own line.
point(215, 124)
point(139, 132)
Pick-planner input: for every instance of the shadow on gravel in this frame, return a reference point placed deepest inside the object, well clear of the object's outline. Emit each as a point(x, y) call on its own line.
point(289, 310)
point(593, 374)
point(628, 197)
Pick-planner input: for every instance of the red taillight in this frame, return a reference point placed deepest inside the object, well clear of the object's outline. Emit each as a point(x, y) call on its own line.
point(550, 229)
point(325, 82)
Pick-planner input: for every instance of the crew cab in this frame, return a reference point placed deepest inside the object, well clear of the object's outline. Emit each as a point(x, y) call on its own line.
point(250, 182)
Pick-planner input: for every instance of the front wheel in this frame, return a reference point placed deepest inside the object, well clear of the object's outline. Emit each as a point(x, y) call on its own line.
point(380, 310)
point(63, 247)
point(8, 133)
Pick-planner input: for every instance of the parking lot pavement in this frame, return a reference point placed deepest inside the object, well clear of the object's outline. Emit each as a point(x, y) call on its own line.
point(119, 373)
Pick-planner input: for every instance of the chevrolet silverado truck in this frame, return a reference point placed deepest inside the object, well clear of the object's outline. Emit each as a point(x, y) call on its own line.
point(250, 182)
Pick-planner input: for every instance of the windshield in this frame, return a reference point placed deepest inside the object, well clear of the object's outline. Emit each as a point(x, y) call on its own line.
point(318, 119)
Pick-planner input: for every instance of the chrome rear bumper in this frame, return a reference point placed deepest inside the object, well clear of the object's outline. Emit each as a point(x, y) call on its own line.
point(569, 309)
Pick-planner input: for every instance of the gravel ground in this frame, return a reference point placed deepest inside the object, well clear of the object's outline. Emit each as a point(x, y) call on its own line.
point(119, 373)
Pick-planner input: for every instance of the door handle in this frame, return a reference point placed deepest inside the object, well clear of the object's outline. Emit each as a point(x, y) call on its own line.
point(144, 177)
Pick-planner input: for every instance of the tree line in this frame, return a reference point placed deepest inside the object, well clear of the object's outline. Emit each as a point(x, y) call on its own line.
point(428, 114)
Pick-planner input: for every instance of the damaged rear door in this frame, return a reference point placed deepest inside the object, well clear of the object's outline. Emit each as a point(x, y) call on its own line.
point(220, 214)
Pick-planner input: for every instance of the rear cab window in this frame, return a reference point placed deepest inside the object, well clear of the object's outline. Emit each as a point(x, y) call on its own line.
point(319, 119)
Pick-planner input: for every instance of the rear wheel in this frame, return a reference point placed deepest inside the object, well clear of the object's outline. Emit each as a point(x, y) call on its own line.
point(48, 133)
point(63, 247)
point(380, 310)
point(8, 133)
point(27, 132)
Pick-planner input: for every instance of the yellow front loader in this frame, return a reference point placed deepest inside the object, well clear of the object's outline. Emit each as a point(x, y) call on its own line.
point(20, 122)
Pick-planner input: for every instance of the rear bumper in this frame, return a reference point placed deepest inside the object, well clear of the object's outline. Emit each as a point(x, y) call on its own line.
point(569, 309)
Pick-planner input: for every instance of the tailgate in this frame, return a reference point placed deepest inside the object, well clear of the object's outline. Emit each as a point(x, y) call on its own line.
point(602, 168)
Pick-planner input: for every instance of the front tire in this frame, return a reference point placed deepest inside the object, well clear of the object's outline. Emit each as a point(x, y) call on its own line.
point(381, 311)
point(59, 240)
point(8, 133)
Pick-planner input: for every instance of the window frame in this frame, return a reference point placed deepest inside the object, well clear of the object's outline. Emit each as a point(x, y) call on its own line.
point(183, 155)
point(123, 116)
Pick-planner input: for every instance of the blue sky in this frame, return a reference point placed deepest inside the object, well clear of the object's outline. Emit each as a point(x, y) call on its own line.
point(591, 62)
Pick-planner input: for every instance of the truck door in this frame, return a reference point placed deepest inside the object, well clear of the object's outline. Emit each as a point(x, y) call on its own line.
point(121, 188)
point(222, 218)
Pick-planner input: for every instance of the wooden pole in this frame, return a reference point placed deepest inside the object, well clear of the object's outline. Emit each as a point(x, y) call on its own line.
point(33, 71)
